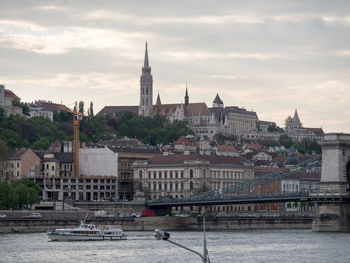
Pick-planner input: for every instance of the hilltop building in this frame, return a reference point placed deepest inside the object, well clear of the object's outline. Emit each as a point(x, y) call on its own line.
point(8, 101)
point(207, 122)
point(295, 129)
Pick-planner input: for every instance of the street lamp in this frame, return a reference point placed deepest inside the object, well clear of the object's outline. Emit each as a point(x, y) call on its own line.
point(162, 235)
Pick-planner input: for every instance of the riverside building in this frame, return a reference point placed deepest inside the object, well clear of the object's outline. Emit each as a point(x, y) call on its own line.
point(178, 175)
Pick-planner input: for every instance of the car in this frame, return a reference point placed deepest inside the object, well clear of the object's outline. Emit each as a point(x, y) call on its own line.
point(2, 215)
point(136, 214)
point(33, 215)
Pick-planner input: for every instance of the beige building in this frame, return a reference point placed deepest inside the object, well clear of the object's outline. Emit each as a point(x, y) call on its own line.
point(22, 163)
point(178, 175)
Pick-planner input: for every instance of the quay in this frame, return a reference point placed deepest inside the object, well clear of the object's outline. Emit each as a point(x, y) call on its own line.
point(50, 220)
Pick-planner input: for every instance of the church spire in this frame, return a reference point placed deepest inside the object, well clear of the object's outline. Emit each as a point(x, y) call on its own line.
point(146, 64)
point(146, 88)
point(158, 103)
point(186, 96)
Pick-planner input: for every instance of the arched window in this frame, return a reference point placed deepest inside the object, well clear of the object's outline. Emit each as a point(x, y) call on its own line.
point(191, 173)
point(191, 185)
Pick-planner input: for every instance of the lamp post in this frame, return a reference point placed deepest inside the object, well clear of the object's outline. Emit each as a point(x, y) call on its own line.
point(162, 235)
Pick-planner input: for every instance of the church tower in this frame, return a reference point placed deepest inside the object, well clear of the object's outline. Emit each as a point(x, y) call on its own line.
point(186, 96)
point(146, 89)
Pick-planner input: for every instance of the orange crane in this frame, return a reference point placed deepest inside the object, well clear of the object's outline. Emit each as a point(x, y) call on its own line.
point(77, 118)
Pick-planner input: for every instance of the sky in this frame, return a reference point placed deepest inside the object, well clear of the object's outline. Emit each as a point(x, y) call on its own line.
point(268, 56)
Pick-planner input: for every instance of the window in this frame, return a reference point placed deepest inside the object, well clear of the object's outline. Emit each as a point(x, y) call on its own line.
point(191, 185)
point(176, 174)
point(149, 175)
point(176, 186)
point(182, 186)
point(154, 186)
point(191, 173)
point(160, 187)
point(171, 174)
point(165, 174)
point(182, 174)
point(140, 174)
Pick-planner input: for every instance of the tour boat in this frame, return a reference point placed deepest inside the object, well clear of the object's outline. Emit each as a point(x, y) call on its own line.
point(88, 232)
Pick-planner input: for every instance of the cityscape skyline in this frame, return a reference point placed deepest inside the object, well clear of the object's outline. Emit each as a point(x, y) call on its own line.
point(271, 58)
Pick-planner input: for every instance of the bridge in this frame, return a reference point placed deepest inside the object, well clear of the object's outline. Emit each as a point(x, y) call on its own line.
point(333, 198)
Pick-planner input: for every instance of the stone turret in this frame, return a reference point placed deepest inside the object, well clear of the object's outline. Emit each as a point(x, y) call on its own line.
point(218, 103)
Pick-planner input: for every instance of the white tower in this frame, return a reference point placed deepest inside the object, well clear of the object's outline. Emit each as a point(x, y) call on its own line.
point(146, 89)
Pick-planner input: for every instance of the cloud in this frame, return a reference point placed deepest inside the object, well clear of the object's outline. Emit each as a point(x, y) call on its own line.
point(32, 38)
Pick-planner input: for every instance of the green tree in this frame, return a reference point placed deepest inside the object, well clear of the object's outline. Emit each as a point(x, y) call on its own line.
point(8, 196)
point(2, 115)
point(81, 107)
point(42, 144)
point(91, 110)
point(4, 151)
point(272, 128)
point(285, 140)
point(12, 138)
point(28, 193)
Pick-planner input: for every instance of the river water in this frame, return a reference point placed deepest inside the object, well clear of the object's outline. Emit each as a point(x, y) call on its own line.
point(234, 246)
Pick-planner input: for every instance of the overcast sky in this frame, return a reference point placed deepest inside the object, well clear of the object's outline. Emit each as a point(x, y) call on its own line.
point(268, 56)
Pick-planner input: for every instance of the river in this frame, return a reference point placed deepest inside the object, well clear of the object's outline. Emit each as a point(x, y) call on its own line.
point(141, 247)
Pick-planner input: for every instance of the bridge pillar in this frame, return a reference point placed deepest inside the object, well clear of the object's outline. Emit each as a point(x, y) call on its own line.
point(335, 178)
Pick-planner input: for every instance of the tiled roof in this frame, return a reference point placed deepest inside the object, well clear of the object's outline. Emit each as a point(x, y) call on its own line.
point(183, 140)
point(238, 110)
point(181, 158)
point(317, 131)
point(189, 109)
point(196, 109)
point(134, 150)
point(16, 155)
point(8, 93)
point(225, 148)
point(52, 106)
point(110, 110)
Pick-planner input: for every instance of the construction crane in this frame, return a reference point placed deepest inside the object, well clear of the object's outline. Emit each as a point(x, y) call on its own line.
point(77, 117)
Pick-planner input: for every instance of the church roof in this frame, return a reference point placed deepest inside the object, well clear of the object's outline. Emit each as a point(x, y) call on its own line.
point(217, 100)
point(189, 109)
point(111, 110)
point(196, 109)
point(158, 102)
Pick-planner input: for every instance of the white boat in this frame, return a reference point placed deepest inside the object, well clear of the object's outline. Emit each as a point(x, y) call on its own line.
point(88, 232)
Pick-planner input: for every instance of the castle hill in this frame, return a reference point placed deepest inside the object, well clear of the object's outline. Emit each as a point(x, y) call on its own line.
point(91, 150)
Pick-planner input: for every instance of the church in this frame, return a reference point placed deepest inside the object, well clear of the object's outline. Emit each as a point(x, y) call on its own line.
point(204, 121)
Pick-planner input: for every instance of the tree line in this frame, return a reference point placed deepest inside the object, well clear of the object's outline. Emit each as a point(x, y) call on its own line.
point(19, 194)
point(38, 133)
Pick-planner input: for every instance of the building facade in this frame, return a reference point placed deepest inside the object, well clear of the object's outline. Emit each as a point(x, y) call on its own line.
point(177, 175)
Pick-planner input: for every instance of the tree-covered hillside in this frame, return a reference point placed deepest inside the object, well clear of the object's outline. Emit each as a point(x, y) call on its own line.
point(38, 133)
